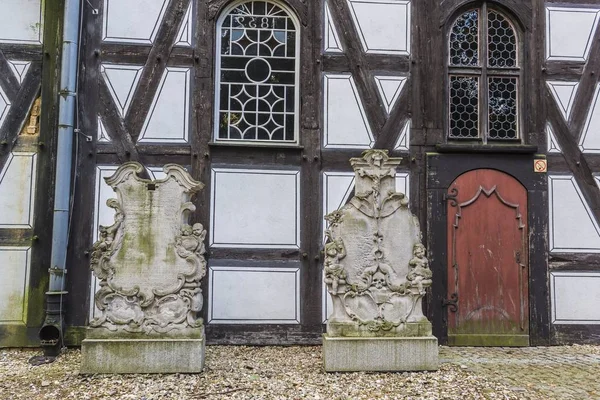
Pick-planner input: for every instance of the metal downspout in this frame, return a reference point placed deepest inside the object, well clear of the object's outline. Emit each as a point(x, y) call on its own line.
point(51, 333)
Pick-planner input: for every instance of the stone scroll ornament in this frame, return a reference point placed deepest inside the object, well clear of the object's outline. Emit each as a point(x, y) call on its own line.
point(151, 260)
point(375, 267)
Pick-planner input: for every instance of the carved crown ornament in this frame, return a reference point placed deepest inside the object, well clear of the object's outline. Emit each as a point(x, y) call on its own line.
point(375, 266)
point(150, 260)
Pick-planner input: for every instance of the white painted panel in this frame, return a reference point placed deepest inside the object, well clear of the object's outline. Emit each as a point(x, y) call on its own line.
point(570, 32)
point(346, 124)
point(184, 36)
point(4, 106)
point(590, 139)
point(103, 136)
point(575, 297)
point(168, 118)
point(17, 187)
point(402, 183)
point(331, 39)
point(573, 228)
point(253, 295)
point(403, 141)
point(389, 88)
point(383, 25)
point(122, 81)
point(21, 21)
point(564, 95)
point(132, 21)
point(337, 188)
point(255, 208)
point(553, 146)
point(19, 68)
point(14, 270)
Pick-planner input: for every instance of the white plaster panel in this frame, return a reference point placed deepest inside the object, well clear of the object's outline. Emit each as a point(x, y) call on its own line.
point(4, 106)
point(14, 270)
point(403, 141)
point(255, 208)
point(17, 187)
point(564, 95)
point(184, 34)
point(569, 32)
point(168, 118)
point(331, 39)
point(575, 297)
point(21, 21)
point(103, 136)
point(389, 88)
point(122, 81)
point(132, 21)
point(383, 25)
point(337, 188)
point(573, 228)
point(590, 139)
point(253, 295)
point(553, 146)
point(346, 124)
point(19, 68)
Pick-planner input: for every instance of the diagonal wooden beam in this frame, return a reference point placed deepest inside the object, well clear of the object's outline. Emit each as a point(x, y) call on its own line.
point(396, 121)
point(10, 129)
point(585, 92)
point(111, 118)
point(155, 66)
point(573, 156)
point(8, 80)
point(359, 65)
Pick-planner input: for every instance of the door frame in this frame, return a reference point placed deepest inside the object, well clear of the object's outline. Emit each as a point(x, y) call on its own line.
point(442, 170)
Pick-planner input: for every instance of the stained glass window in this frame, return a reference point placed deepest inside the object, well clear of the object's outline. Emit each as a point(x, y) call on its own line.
point(257, 80)
point(484, 74)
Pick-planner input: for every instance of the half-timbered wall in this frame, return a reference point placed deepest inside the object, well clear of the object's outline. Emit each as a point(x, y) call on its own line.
point(26, 141)
point(369, 74)
point(571, 91)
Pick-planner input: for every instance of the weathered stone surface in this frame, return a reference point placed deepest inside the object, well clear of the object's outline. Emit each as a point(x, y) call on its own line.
point(142, 356)
point(347, 354)
point(377, 274)
point(149, 264)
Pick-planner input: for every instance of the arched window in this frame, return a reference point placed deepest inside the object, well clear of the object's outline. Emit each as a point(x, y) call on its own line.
point(483, 76)
point(257, 73)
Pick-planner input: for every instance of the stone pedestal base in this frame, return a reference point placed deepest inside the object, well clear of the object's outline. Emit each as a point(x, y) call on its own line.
point(346, 354)
point(142, 356)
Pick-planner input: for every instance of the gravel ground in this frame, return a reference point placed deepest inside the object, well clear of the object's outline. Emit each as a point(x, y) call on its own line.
point(249, 373)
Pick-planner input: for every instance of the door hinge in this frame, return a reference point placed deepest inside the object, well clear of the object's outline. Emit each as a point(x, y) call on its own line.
point(451, 303)
point(451, 196)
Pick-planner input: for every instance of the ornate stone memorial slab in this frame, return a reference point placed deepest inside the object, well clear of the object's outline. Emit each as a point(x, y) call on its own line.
point(376, 272)
point(149, 264)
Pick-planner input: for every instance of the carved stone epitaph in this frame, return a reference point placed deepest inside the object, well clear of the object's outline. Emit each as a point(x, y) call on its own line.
point(149, 263)
point(377, 273)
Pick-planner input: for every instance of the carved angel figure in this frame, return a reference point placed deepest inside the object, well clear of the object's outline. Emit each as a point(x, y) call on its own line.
point(420, 274)
point(334, 271)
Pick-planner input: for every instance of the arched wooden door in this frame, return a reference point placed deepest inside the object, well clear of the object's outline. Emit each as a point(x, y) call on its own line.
point(487, 260)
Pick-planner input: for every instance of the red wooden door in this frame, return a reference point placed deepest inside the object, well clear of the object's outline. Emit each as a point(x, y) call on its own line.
point(487, 260)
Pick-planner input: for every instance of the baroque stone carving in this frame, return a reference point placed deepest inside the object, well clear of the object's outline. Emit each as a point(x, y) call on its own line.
point(375, 266)
point(150, 260)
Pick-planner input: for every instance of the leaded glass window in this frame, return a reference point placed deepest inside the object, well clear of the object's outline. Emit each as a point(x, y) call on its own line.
point(484, 75)
point(257, 79)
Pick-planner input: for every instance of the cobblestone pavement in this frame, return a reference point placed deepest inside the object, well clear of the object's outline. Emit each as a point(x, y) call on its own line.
point(290, 373)
point(561, 372)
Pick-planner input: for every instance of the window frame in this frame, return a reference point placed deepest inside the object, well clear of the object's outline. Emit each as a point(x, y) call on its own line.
point(483, 72)
point(217, 79)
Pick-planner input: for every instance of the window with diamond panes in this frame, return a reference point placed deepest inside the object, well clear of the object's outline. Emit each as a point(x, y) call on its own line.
point(257, 90)
point(483, 67)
